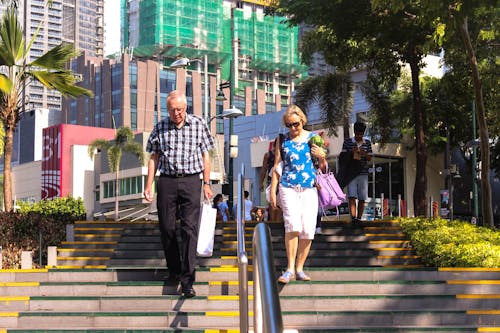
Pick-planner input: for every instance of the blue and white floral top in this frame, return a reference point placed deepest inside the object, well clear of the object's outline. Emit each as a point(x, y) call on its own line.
point(298, 166)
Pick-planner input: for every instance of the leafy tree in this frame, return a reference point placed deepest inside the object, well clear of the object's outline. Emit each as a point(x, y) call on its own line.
point(123, 142)
point(363, 33)
point(468, 30)
point(17, 72)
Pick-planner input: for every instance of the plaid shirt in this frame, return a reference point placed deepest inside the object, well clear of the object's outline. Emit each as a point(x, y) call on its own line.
point(180, 150)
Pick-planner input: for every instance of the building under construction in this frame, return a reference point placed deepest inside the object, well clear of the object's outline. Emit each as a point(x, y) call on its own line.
point(254, 53)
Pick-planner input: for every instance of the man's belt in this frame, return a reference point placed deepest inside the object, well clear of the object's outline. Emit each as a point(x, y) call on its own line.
point(178, 175)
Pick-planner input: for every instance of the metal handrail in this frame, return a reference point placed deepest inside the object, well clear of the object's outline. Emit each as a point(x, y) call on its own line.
point(266, 303)
point(242, 255)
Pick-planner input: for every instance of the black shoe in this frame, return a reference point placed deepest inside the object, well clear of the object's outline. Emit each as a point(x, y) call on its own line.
point(188, 292)
point(356, 222)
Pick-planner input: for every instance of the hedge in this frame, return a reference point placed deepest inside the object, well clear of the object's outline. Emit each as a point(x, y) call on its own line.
point(443, 243)
point(21, 231)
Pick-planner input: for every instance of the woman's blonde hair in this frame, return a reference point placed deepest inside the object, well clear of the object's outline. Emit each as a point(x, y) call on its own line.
point(294, 110)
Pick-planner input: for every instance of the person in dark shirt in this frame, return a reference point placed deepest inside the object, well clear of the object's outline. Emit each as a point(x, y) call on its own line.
point(358, 152)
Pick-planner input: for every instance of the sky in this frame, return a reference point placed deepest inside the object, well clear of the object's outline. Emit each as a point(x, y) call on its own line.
point(112, 26)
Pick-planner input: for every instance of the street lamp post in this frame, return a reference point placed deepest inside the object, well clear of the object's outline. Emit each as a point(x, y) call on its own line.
point(183, 62)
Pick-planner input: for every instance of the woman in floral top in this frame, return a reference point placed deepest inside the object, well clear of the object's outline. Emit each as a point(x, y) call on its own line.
point(297, 191)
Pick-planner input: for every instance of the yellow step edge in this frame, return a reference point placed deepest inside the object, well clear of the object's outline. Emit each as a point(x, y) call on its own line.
point(468, 269)
point(98, 235)
point(388, 241)
point(384, 235)
point(9, 314)
point(235, 242)
point(86, 250)
point(19, 270)
point(480, 296)
point(83, 258)
point(483, 312)
point(473, 281)
point(227, 297)
point(233, 257)
point(81, 267)
point(398, 257)
point(391, 249)
point(488, 329)
point(228, 269)
point(98, 228)
point(382, 228)
point(225, 313)
point(227, 283)
point(14, 298)
point(19, 284)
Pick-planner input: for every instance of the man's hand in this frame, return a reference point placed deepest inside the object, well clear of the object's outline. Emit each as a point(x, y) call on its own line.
point(148, 194)
point(207, 192)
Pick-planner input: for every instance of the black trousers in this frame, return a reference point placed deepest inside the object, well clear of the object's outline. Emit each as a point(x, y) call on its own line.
point(179, 198)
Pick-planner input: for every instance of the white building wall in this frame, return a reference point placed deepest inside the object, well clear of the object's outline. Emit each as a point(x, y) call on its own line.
point(82, 177)
point(26, 181)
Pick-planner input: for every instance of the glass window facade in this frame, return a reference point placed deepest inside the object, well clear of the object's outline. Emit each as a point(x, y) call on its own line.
point(127, 186)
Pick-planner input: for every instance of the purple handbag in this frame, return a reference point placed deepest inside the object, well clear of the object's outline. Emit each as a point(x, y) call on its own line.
point(330, 194)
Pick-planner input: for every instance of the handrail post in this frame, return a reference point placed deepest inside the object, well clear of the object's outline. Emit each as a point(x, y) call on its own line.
point(267, 308)
point(242, 256)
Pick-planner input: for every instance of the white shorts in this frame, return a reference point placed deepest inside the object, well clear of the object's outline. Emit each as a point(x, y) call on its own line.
point(300, 209)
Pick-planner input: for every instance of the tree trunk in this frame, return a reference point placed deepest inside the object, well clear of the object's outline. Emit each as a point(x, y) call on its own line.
point(420, 189)
point(7, 181)
point(487, 208)
point(117, 192)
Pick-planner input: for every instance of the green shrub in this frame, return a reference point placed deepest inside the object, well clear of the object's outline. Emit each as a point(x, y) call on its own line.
point(442, 243)
point(69, 206)
point(21, 231)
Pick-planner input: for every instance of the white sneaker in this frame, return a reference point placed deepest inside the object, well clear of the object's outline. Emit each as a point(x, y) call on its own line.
point(319, 231)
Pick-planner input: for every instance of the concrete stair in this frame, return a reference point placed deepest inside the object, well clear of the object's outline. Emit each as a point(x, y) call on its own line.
point(363, 280)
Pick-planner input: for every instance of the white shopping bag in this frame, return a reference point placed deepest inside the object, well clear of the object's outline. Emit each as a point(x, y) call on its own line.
point(206, 233)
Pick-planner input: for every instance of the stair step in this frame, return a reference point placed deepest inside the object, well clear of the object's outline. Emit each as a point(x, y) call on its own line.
point(364, 279)
point(218, 319)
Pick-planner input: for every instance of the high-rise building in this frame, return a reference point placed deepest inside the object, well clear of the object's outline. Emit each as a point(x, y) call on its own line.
point(77, 22)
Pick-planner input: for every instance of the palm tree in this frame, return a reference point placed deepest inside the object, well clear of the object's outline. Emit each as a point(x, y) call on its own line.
point(333, 93)
point(123, 142)
point(17, 73)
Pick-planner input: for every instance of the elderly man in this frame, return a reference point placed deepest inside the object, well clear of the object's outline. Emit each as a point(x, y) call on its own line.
point(179, 148)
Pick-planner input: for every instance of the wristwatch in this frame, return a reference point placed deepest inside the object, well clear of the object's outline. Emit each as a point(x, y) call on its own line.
point(207, 182)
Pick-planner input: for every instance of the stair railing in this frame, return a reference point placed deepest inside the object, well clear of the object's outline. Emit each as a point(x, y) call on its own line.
point(242, 254)
point(266, 303)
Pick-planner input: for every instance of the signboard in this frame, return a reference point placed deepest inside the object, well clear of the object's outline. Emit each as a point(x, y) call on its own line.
point(445, 204)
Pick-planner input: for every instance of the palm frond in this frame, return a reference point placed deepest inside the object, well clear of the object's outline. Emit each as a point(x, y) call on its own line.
point(56, 58)
point(124, 135)
point(63, 81)
point(99, 144)
point(11, 39)
point(5, 84)
point(332, 93)
point(136, 149)
point(114, 156)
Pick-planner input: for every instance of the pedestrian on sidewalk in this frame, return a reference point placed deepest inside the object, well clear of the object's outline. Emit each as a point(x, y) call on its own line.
point(297, 191)
point(179, 147)
point(353, 170)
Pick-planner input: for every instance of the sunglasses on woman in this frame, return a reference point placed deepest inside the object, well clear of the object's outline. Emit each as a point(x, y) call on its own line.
point(295, 124)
